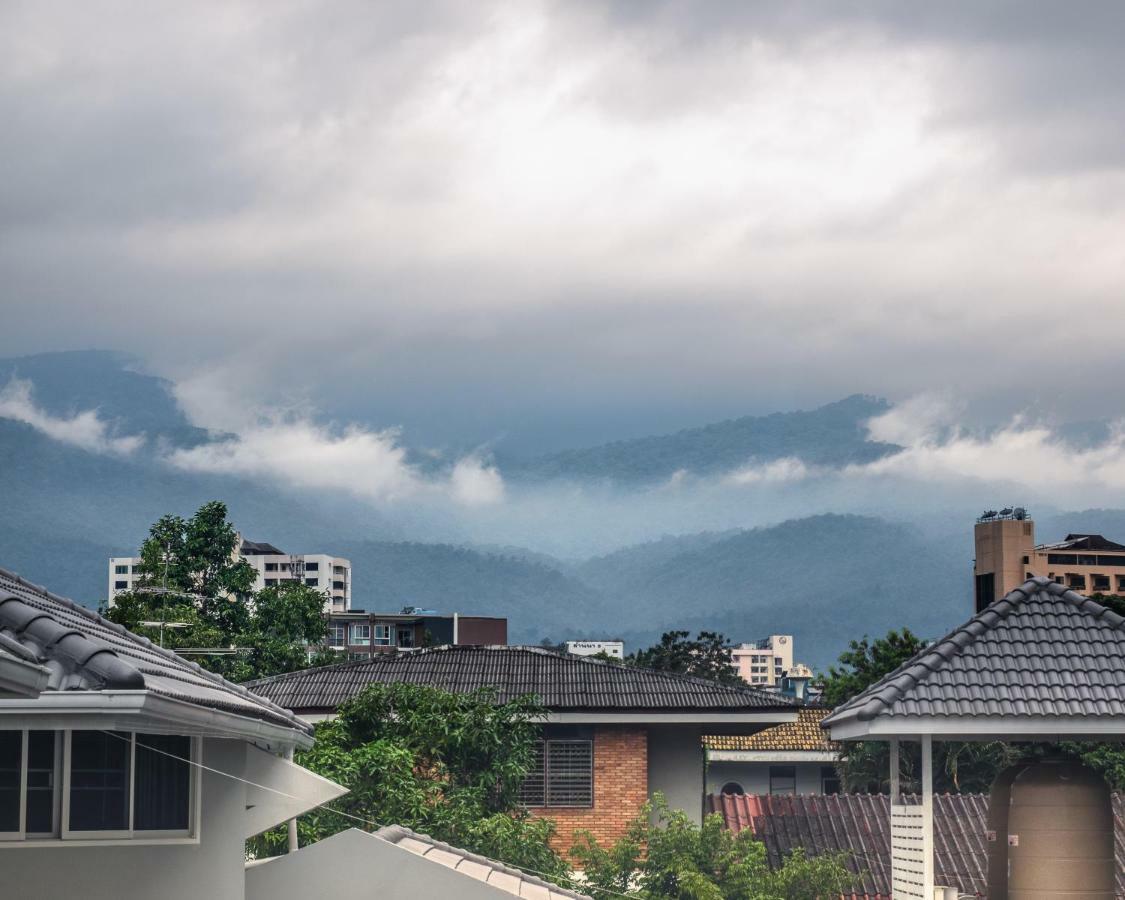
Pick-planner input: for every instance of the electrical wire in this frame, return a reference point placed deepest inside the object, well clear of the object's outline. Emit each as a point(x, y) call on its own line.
point(368, 822)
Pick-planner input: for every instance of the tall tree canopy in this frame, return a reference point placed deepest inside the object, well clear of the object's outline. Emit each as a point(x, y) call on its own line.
point(708, 656)
point(194, 581)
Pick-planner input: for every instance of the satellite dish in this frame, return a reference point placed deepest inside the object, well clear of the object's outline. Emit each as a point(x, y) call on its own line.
point(1020, 513)
point(1007, 511)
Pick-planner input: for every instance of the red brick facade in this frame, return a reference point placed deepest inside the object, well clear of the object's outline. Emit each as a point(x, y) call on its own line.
point(620, 789)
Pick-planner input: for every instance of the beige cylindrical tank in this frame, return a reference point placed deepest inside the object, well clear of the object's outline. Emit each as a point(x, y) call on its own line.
point(1060, 834)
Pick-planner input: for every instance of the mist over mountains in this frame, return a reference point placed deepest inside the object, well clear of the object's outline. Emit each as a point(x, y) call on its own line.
point(784, 523)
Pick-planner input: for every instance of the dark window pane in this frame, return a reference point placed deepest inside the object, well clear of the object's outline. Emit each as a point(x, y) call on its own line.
point(783, 779)
point(40, 783)
point(99, 781)
point(11, 755)
point(162, 784)
point(570, 773)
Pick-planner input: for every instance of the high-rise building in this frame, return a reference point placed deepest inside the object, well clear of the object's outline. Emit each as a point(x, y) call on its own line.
point(764, 662)
point(1007, 555)
point(331, 575)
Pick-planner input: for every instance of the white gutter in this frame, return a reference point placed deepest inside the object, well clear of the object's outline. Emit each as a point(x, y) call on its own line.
point(772, 756)
point(982, 728)
point(143, 711)
point(701, 717)
point(22, 677)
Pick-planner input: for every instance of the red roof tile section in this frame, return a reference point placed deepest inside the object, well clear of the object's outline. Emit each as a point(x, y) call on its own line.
point(859, 824)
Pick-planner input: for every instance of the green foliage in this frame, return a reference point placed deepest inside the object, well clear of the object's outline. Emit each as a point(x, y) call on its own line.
point(191, 574)
point(665, 855)
point(708, 656)
point(449, 765)
point(866, 661)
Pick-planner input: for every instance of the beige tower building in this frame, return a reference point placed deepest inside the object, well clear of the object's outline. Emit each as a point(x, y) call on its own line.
point(1007, 555)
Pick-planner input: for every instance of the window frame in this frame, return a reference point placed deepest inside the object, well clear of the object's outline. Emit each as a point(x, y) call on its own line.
point(543, 752)
point(63, 835)
point(354, 638)
point(382, 636)
point(783, 793)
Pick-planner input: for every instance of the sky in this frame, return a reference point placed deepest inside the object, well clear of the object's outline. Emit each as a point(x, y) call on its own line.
point(526, 226)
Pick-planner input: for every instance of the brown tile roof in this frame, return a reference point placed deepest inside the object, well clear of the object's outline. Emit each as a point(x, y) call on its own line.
point(860, 825)
point(804, 734)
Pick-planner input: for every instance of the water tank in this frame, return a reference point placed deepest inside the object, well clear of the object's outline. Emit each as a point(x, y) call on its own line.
point(1059, 834)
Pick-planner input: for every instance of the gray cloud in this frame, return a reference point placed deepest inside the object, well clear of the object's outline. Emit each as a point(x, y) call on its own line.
point(554, 222)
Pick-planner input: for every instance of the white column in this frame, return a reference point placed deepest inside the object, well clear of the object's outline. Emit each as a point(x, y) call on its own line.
point(292, 822)
point(927, 817)
point(895, 770)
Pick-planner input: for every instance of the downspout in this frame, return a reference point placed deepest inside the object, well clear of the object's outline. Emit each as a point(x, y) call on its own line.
point(455, 631)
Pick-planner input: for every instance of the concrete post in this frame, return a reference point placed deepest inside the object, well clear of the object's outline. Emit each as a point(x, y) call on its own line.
point(293, 846)
point(927, 817)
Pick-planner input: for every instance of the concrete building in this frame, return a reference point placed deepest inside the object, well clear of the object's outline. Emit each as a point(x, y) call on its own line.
point(359, 634)
point(613, 649)
point(763, 662)
point(331, 575)
point(1007, 556)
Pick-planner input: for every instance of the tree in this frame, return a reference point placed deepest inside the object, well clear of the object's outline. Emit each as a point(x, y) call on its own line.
point(664, 854)
point(708, 656)
point(449, 765)
point(192, 575)
point(865, 765)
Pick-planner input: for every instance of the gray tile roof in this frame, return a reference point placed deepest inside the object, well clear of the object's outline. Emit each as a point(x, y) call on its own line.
point(85, 652)
point(561, 681)
point(1041, 651)
point(479, 867)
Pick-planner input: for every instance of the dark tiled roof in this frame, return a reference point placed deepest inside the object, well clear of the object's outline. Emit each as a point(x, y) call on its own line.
point(85, 652)
point(496, 874)
point(1041, 651)
point(804, 735)
point(561, 681)
point(1083, 542)
point(860, 825)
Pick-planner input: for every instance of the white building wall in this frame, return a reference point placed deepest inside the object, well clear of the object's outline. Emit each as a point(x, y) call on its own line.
point(213, 869)
point(755, 776)
point(675, 767)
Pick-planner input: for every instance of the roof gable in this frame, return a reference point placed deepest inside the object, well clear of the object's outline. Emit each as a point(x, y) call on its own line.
point(561, 681)
point(85, 652)
point(1041, 651)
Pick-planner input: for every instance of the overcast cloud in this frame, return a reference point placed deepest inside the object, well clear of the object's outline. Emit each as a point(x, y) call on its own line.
point(547, 224)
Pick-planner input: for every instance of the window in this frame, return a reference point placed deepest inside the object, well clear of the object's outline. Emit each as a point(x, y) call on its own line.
point(406, 637)
point(829, 780)
point(337, 634)
point(311, 582)
point(91, 785)
point(120, 570)
point(271, 582)
point(1111, 560)
point(783, 779)
point(1026, 560)
point(361, 634)
point(1062, 559)
point(312, 567)
point(1087, 560)
point(337, 585)
point(354, 656)
point(99, 781)
point(732, 788)
point(1101, 582)
point(383, 635)
point(562, 775)
point(120, 585)
point(1121, 582)
point(1076, 581)
point(986, 590)
point(271, 567)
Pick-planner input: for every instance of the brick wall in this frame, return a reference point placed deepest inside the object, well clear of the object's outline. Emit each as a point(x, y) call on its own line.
point(620, 789)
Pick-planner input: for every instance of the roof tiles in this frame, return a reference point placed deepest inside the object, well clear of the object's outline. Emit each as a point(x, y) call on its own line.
point(561, 681)
point(84, 651)
point(803, 735)
point(1040, 651)
point(859, 824)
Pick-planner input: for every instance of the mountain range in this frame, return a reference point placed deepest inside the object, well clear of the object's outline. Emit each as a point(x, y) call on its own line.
point(823, 578)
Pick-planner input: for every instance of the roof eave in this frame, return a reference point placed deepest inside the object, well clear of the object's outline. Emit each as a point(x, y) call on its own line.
point(978, 728)
point(22, 677)
point(145, 711)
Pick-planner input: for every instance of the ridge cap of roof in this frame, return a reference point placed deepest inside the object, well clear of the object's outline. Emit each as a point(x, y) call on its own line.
point(394, 833)
point(237, 689)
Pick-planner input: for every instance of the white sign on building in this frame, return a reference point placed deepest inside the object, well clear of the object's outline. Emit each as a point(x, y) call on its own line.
point(616, 649)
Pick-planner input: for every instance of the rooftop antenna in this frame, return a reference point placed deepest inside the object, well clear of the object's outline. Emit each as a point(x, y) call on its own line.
point(164, 592)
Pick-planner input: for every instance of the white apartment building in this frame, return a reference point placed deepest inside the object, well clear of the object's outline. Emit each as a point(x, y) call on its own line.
point(332, 575)
point(614, 649)
point(764, 662)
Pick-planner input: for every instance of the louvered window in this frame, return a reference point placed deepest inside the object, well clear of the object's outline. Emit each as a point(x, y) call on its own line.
point(563, 775)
